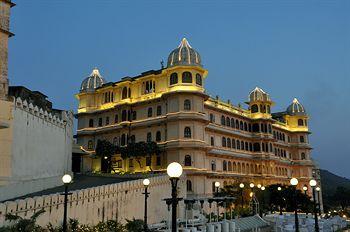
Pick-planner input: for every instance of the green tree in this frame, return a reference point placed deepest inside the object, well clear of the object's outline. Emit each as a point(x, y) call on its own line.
point(23, 224)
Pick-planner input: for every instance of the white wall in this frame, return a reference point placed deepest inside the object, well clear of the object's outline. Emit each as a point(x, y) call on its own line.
point(39, 149)
point(118, 201)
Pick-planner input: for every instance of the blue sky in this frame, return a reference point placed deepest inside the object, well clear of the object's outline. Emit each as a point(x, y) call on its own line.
point(289, 48)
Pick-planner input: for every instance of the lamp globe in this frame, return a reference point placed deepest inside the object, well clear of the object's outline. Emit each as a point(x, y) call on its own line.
point(312, 183)
point(146, 182)
point(241, 185)
point(174, 170)
point(294, 181)
point(217, 184)
point(66, 179)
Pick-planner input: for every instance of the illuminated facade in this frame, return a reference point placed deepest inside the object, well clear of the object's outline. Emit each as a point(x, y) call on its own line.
point(212, 139)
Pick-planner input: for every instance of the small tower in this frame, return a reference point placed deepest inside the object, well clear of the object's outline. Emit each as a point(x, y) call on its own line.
point(296, 115)
point(260, 103)
point(5, 33)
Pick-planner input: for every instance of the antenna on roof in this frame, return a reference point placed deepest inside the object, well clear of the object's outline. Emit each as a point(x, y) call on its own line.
point(162, 63)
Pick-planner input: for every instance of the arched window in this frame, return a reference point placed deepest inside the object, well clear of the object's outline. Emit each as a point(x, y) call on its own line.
point(246, 146)
point(256, 147)
point(173, 79)
point(212, 118)
point(158, 136)
point(90, 145)
point(302, 139)
point(256, 127)
point(115, 141)
point(223, 142)
point(224, 165)
point(129, 93)
point(100, 122)
point(228, 121)
point(125, 93)
point(241, 125)
point(124, 115)
point(238, 145)
point(300, 122)
point(237, 124)
point(212, 141)
point(116, 118)
point(234, 167)
point(198, 79)
point(188, 160)
point(228, 142)
point(229, 166)
point(159, 110)
point(149, 137)
point(232, 123)
point(150, 112)
point(187, 104)
point(187, 132)
point(254, 108)
point(123, 140)
point(134, 116)
point(213, 165)
point(233, 144)
point(91, 123)
point(107, 120)
point(303, 156)
point(189, 186)
point(186, 77)
point(223, 120)
point(245, 126)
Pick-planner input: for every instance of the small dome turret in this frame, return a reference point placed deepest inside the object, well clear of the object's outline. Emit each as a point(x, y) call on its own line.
point(92, 82)
point(184, 54)
point(259, 95)
point(296, 108)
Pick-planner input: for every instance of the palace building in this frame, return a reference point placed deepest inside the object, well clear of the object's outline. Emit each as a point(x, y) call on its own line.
point(213, 140)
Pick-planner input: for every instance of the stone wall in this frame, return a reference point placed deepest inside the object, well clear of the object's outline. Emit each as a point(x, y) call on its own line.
point(118, 201)
point(36, 148)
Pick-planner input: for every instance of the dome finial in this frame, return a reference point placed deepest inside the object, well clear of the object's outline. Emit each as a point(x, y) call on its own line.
point(295, 100)
point(95, 72)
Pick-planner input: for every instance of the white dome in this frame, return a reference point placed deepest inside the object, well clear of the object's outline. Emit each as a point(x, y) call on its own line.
point(296, 108)
point(184, 54)
point(92, 82)
point(259, 95)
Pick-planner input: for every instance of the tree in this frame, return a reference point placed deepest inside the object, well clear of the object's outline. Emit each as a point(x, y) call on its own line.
point(105, 150)
point(24, 224)
point(342, 197)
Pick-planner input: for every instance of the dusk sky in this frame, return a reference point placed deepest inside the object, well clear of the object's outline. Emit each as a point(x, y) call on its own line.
point(288, 48)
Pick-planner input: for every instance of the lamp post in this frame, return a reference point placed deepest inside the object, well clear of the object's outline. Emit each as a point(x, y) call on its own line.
point(174, 171)
point(305, 192)
point(146, 183)
point(318, 189)
point(241, 185)
point(313, 184)
point(279, 191)
point(217, 185)
point(66, 179)
point(294, 182)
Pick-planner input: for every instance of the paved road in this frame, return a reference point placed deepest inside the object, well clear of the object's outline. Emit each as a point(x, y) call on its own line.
point(80, 182)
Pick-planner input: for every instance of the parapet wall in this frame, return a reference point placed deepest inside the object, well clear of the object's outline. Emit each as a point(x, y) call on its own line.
point(118, 201)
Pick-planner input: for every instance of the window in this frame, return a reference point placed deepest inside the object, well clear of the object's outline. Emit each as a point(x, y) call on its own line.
point(223, 142)
point(129, 93)
point(173, 79)
point(90, 145)
point(158, 160)
point(198, 79)
point(303, 156)
point(116, 118)
point(232, 123)
point(233, 144)
point(91, 123)
point(228, 142)
point(187, 104)
point(123, 140)
point(300, 122)
point(228, 121)
point(148, 87)
point(187, 132)
point(100, 122)
point(238, 145)
point(131, 163)
point(159, 110)
point(188, 160)
point(223, 120)
point(115, 141)
point(149, 112)
point(124, 93)
point(245, 126)
point(149, 137)
point(224, 165)
point(107, 120)
point(186, 77)
point(254, 108)
point(302, 139)
point(134, 116)
point(124, 115)
point(189, 186)
point(148, 161)
point(241, 125)
point(256, 147)
point(158, 136)
point(256, 127)
point(213, 165)
point(212, 141)
point(132, 139)
point(212, 118)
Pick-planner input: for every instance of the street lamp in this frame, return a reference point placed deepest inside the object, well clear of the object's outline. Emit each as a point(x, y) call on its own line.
point(217, 185)
point(66, 179)
point(279, 194)
point(313, 184)
point(294, 182)
point(263, 188)
point(318, 189)
point(146, 183)
point(251, 185)
point(241, 185)
point(258, 186)
point(174, 171)
point(305, 192)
